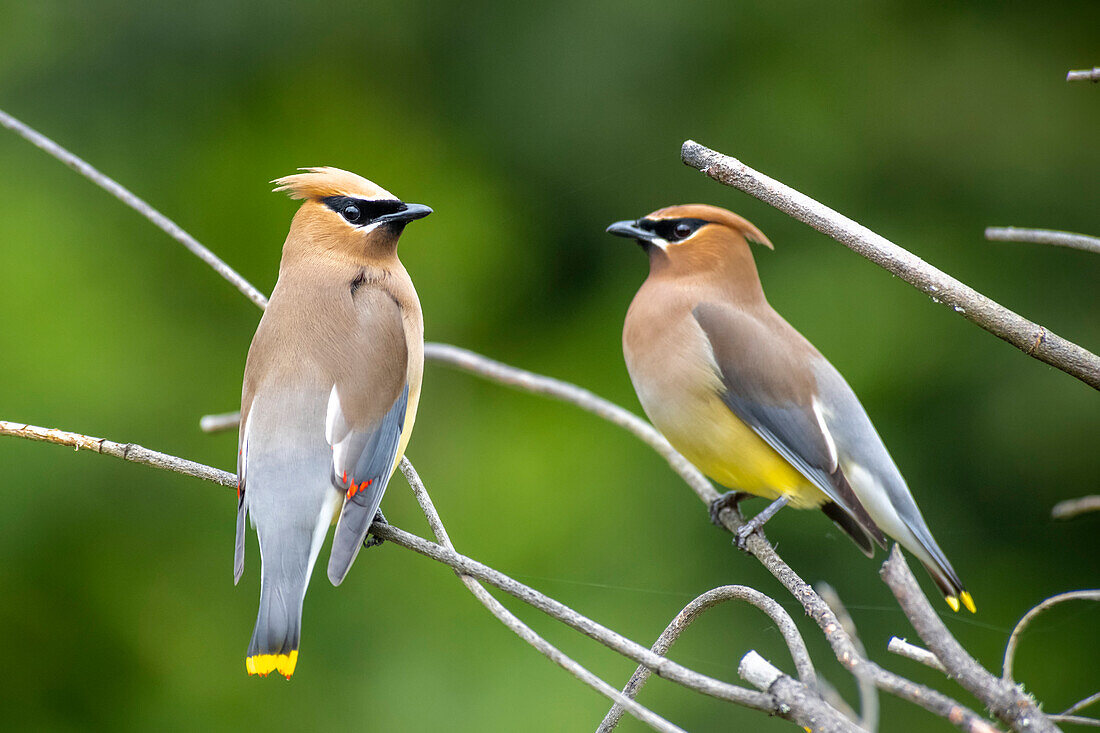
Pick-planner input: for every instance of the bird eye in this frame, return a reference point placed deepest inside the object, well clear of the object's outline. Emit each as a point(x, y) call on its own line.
point(682, 230)
point(352, 214)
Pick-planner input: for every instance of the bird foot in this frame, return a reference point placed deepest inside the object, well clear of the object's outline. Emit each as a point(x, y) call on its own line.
point(729, 500)
point(756, 524)
point(370, 540)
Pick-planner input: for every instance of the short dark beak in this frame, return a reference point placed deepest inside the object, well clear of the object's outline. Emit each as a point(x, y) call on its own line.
point(409, 213)
point(630, 230)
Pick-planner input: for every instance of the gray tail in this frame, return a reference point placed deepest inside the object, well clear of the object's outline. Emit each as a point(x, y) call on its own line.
point(274, 645)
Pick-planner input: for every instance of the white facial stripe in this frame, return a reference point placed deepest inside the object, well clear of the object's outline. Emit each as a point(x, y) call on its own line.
point(662, 243)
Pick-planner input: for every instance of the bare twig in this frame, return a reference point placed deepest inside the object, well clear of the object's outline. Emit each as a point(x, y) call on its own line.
point(126, 451)
point(690, 613)
point(868, 693)
point(1071, 508)
point(1003, 698)
point(903, 648)
point(521, 629)
point(1082, 704)
point(1075, 720)
point(123, 194)
point(1092, 74)
point(1043, 236)
point(1031, 338)
point(790, 692)
point(1014, 637)
point(466, 566)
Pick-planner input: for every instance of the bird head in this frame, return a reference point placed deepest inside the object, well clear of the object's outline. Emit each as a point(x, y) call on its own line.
point(345, 213)
point(695, 240)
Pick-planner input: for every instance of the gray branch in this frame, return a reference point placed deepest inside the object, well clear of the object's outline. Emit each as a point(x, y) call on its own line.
point(694, 610)
point(464, 565)
point(1003, 698)
point(1031, 338)
point(1092, 74)
point(1043, 236)
point(124, 195)
point(1014, 637)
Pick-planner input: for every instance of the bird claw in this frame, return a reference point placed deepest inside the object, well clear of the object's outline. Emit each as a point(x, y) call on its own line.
point(371, 540)
point(729, 500)
point(741, 536)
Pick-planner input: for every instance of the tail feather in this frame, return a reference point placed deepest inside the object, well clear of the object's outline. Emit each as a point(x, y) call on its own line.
point(274, 645)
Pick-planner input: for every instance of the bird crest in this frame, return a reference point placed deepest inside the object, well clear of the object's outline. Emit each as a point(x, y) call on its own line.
point(322, 181)
point(717, 215)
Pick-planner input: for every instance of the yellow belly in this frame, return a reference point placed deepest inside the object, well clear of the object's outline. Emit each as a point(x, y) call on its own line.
point(713, 438)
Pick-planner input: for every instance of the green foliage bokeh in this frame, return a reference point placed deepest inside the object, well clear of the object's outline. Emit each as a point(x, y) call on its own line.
point(528, 127)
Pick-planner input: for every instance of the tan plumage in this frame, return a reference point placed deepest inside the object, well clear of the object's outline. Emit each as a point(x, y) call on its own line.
point(746, 398)
point(330, 392)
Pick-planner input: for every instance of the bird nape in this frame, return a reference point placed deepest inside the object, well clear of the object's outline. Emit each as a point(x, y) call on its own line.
point(747, 399)
point(331, 386)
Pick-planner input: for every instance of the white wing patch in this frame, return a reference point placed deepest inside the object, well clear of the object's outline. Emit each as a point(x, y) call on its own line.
point(336, 430)
point(829, 442)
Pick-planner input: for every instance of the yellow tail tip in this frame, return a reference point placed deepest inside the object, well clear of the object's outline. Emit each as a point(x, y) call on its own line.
point(968, 602)
point(265, 664)
point(953, 602)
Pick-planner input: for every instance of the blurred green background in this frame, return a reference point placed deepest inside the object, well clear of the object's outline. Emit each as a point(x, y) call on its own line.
point(528, 127)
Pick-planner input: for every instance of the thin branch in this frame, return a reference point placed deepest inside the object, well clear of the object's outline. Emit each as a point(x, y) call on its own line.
point(125, 451)
point(622, 702)
point(1092, 74)
point(1071, 508)
point(1003, 698)
point(124, 195)
point(465, 565)
point(1075, 720)
point(1082, 704)
point(868, 693)
point(904, 649)
point(1014, 637)
point(1031, 338)
point(694, 610)
point(1043, 236)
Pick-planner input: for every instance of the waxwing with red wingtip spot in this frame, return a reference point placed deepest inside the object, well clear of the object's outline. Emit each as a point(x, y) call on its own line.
point(748, 399)
point(331, 386)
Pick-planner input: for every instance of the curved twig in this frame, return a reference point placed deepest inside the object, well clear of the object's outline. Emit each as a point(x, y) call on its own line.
point(525, 632)
point(1031, 338)
point(1043, 236)
point(690, 613)
point(1014, 637)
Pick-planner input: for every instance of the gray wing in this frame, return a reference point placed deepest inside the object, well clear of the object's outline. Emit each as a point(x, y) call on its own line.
point(770, 386)
point(861, 446)
point(363, 460)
